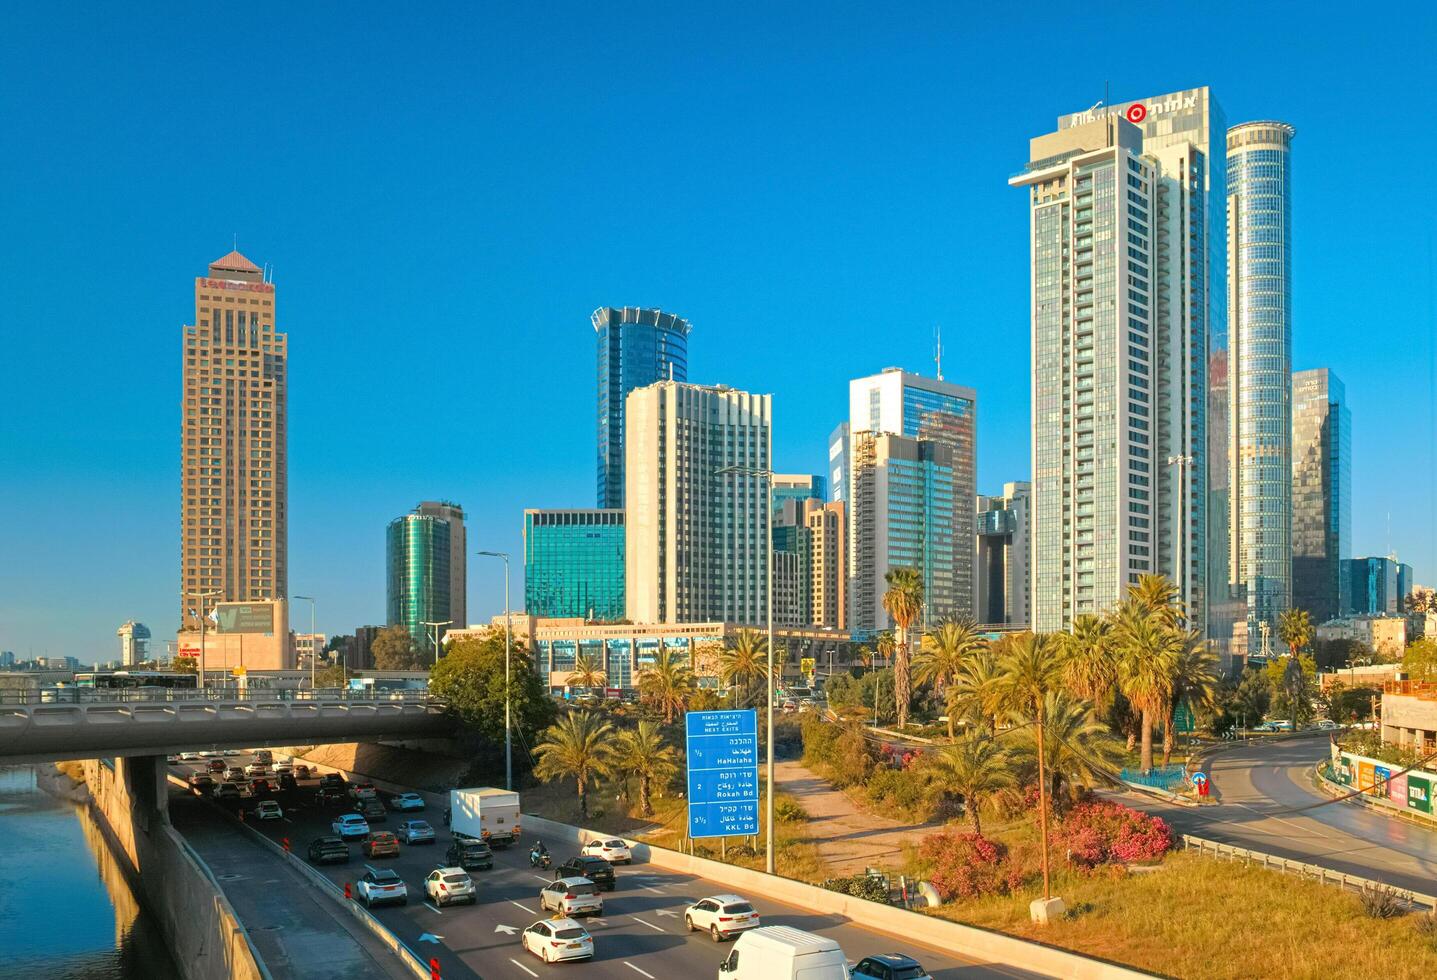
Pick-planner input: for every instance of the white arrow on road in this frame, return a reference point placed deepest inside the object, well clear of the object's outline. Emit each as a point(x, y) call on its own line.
point(429, 937)
point(673, 915)
point(506, 930)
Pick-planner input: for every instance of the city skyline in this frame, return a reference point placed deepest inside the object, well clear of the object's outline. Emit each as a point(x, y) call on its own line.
point(342, 349)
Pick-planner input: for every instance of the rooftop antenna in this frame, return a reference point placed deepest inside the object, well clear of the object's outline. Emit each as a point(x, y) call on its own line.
point(234, 241)
point(938, 350)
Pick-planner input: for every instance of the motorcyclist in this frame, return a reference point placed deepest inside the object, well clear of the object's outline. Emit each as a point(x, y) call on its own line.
point(538, 853)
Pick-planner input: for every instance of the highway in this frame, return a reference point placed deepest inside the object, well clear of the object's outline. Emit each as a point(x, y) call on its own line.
point(1267, 802)
point(641, 934)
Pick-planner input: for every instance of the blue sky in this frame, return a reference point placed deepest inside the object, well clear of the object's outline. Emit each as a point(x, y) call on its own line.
point(446, 197)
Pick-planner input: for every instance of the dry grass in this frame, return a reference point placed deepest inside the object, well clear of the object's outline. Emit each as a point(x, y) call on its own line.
point(1200, 918)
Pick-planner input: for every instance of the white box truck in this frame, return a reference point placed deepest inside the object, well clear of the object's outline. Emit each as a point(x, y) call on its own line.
point(489, 814)
point(783, 953)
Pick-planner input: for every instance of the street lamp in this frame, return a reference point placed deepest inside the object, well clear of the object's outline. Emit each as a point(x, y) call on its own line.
point(508, 634)
point(202, 596)
point(765, 474)
point(435, 628)
point(313, 653)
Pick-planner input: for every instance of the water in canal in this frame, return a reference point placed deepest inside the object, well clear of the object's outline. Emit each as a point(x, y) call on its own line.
point(66, 910)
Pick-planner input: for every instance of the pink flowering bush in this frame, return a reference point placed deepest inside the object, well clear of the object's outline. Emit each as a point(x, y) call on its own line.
point(967, 865)
point(1098, 832)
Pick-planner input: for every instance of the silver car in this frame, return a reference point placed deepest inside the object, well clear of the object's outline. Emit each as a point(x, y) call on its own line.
point(572, 896)
point(415, 832)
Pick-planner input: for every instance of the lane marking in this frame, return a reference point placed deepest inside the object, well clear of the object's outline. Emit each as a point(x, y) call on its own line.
point(523, 967)
point(524, 907)
point(645, 973)
point(542, 878)
point(433, 908)
point(648, 923)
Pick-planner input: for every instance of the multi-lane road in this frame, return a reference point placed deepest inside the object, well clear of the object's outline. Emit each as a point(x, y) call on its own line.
point(640, 935)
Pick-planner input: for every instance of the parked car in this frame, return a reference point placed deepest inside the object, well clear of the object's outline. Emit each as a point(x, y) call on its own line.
point(445, 886)
point(558, 939)
point(406, 801)
point(416, 832)
point(890, 966)
point(470, 854)
point(571, 896)
point(721, 916)
point(328, 850)
point(381, 843)
point(610, 849)
point(268, 810)
point(301, 771)
point(596, 869)
point(227, 791)
point(372, 810)
point(382, 885)
point(350, 826)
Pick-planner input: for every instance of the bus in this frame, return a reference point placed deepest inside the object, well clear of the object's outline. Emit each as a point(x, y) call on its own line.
point(111, 680)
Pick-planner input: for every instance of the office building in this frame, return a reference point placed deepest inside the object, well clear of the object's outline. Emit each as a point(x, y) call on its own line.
point(248, 635)
point(797, 487)
point(418, 581)
point(827, 564)
point(1385, 635)
point(695, 529)
point(1321, 493)
point(574, 564)
point(909, 405)
point(636, 348)
point(307, 647)
point(1129, 348)
point(233, 509)
point(1004, 546)
point(902, 500)
point(458, 552)
point(1376, 587)
point(1259, 314)
point(838, 447)
point(134, 642)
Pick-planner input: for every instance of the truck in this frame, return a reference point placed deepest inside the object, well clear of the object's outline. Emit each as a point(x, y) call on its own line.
point(491, 815)
point(784, 953)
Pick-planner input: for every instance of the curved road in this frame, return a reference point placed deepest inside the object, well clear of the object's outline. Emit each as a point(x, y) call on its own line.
point(1267, 802)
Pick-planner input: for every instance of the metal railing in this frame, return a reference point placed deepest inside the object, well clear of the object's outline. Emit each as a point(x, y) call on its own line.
point(1159, 777)
point(168, 695)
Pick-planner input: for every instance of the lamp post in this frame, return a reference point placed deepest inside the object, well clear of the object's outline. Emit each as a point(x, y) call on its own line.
point(508, 635)
point(766, 474)
point(435, 628)
point(313, 653)
point(202, 596)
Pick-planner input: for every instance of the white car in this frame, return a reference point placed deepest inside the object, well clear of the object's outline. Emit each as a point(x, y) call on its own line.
point(558, 939)
point(190, 757)
point(382, 885)
point(280, 768)
point(406, 801)
point(268, 810)
point(572, 896)
point(256, 769)
point(445, 886)
point(1327, 725)
point(349, 826)
point(721, 916)
point(612, 850)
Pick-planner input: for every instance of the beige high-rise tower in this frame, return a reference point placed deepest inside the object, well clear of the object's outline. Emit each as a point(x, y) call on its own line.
point(234, 511)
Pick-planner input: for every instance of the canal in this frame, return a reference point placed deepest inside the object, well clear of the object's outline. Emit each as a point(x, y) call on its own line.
point(66, 909)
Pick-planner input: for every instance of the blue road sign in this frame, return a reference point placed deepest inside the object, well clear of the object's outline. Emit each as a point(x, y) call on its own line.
point(722, 749)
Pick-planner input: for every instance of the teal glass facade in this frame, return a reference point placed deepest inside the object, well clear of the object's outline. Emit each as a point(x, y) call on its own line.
point(1321, 493)
point(574, 564)
point(418, 581)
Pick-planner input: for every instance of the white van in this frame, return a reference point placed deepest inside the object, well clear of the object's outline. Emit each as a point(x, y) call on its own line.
point(782, 953)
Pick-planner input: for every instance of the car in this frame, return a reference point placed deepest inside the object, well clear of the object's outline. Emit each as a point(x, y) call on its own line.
point(372, 810)
point(415, 832)
point(611, 849)
point(889, 966)
point(236, 774)
point(596, 869)
point(268, 810)
point(380, 843)
point(470, 854)
point(256, 769)
point(378, 885)
point(350, 825)
point(216, 766)
point(259, 788)
point(190, 757)
point(172, 760)
point(558, 939)
point(1327, 725)
point(445, 886)
point(406, 802)
point(332, 779)
point(330, 796)
point(301, 771)
point(227, 791)
point(328, 850)
point(358, 791)
point(283, 767)
point(721, 916)
point(264, 757)
point(571, 896)
point(287, 783)
point(784, 953)
point(201, 783)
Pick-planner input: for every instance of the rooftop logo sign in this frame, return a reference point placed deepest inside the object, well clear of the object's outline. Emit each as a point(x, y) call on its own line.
point(1136, 112)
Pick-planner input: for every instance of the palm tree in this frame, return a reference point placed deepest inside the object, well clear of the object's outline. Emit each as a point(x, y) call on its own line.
point(943, 653)
point(904, 604)
point(1078, 749)
point(1158, 595)
point(577, 747)
point(642, 752)
point(1294, 627)
point(1031, 671)
point(1194, 681)
point(864, 655)
point(976, 768)
point(1090, 669)
point(746, 661)
point(1148, 652)
point(976, 694)
point(667, 683)
point(886, 644)
point(588, 673)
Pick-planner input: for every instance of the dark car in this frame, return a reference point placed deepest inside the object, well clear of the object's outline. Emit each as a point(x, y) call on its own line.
point(286, 782)
point(381, 843)
point(301, 771)
point(235, 774)
point(596, 869)
point(217, 765)
point(371, 810)
point(330, 796)
point(890, 966)
point(470, 854)
point(329, 850)
point(259, 789)
point(201, 783)
point(227, 791)
point(331, 780)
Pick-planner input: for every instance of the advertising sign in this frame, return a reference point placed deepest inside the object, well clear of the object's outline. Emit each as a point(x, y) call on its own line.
point(1380, 775)
point(1342, 770)
point(722, 748)
point(1365, 777)
point(1419, 793)
point(245, 617)
point(1397, 789)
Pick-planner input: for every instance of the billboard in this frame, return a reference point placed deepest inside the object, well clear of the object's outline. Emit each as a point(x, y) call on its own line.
point(1419, 793)
point(722, 749)
point(245, 617)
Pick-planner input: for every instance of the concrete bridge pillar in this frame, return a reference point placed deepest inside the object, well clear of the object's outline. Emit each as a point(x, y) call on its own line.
point(142, 778)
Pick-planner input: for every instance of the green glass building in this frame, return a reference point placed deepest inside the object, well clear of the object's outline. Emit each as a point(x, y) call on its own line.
point(418, 581)
point(574, 564)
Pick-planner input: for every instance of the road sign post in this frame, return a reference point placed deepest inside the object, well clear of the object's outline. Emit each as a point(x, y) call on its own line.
point(722, 749)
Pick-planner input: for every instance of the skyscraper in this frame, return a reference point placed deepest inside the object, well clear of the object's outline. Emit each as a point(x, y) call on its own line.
point(134, 642)
point(1321, 493)
point(828, 563)
point(636, 348)
point(418, 582)
point(458, 567)
point(695, 532)
point(233, 508)
point(1259, 233)
point(838, 449)
point(1376, 586)
point(797, 487)
point(1004, 547)
point(574, 564)
point(1126, 335)
point(916, 407)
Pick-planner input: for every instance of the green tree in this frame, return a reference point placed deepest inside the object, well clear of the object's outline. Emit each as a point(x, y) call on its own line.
point(904, 604)
point(1031, 671)
point(185, 665)
point(1090, 667)
point(1421, 600)
point(1195, 678)
point(1352, 704)
point(1419, 660)
point(667, 683)
point(588, 673)
point(1293, 681)
point(745, 662)
point(1158, 596)
point(1148, 648)
point(1252, 698)
point(1294, 627)
point(394, 649)
point(470, 677)
point(943, 654)
point(1078, 750)
point(331, 676)
point(580, 746)
point(975, 768)
point(642, 752)
point(886, 643)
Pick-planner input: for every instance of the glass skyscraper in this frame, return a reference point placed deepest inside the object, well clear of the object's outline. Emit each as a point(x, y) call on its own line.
point(797, 487)
point(1321, 493)
point(1259, 215)
point(1376, 586)
point(574, 564)
point(636, 347)
point(418, 581)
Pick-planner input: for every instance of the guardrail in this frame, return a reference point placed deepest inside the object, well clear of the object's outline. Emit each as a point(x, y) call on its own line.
point(88, 695)
point(1301, 869)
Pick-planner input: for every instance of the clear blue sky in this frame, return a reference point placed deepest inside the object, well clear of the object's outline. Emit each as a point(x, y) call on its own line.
point(446, 197)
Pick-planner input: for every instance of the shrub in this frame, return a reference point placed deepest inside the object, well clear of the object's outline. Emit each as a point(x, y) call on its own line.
point(818, 741)
point(1097, 832)
point(788, 810)
point(902, 789)
point(873, 888)
point(1381, 902)
point(967, 865)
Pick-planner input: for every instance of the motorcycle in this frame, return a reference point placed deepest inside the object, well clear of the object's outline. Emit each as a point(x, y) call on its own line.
point(540, 859)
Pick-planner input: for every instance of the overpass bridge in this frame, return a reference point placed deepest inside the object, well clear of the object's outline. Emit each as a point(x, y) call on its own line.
point(79, 723)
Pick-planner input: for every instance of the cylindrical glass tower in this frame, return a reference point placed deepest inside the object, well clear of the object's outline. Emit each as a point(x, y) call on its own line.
point(1259, 218)
point(418, 575)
